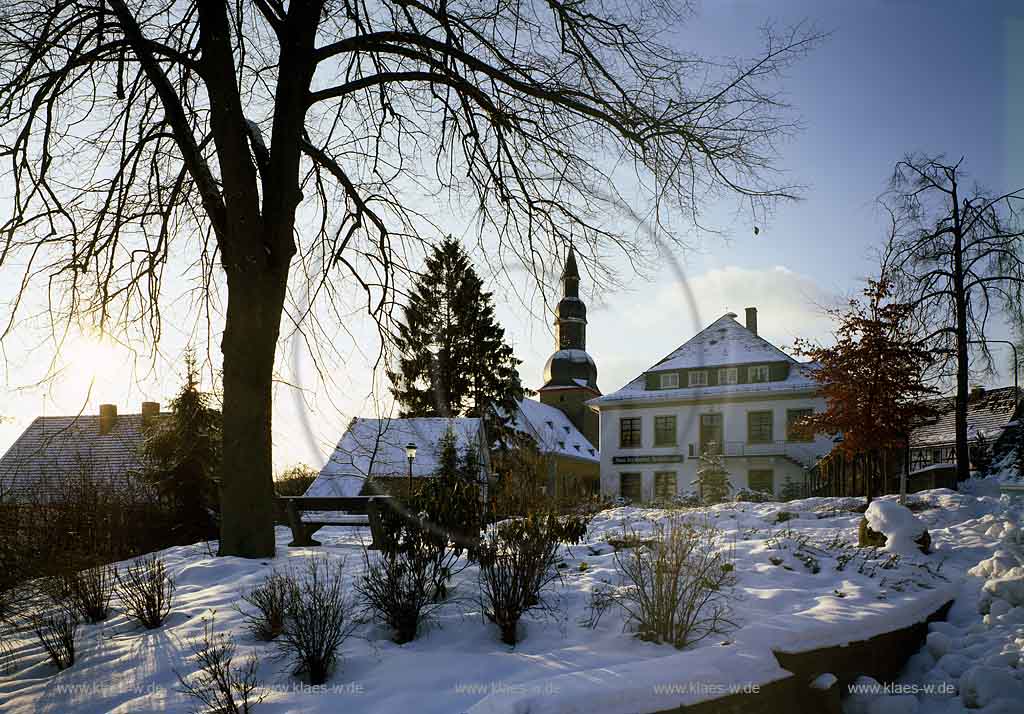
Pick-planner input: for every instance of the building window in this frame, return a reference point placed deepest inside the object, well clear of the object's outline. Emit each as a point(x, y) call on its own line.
point(665, 431)
point(728, 375)
point(664, 485)
point(629, 432)
point(792, 417)
point(711, 437)
point(759, 373)
point(759, 427)
point(629, 487)
point(669, 380)
point(761, 480)
point(698, 378)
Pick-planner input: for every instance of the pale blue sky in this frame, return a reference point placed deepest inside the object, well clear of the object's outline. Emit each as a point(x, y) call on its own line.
point(893, 77)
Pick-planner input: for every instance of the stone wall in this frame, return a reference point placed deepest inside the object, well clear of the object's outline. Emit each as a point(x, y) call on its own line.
point(881, 657)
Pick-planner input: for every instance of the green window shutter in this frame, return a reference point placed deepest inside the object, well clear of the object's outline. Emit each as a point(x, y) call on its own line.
point(652, 381)
point(779, 371)
point(665, 430)
point(741, 375)
point(759, 427)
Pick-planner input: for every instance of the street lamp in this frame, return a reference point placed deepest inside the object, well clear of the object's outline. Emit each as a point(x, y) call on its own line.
point(410, 453)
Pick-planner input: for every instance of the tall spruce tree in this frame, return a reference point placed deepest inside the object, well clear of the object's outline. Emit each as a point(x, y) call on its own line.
point(453, 358)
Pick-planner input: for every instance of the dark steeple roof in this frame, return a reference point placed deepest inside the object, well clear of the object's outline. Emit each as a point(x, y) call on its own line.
point(570, 366)
point(570, 270)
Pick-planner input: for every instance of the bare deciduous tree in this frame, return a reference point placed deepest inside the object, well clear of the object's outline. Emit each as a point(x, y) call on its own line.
point(955, 256)
point(275, 137)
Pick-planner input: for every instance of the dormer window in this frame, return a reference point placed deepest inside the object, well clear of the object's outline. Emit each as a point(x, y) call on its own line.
point(670, 380)
point(698, 378)
point(759, 373)
point(728, 375)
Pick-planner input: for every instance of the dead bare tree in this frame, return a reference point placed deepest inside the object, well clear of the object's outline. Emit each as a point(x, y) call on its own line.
point(277, 137)
point(955, 255)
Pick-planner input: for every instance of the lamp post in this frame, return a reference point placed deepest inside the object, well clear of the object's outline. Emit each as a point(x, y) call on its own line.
point(410, 454)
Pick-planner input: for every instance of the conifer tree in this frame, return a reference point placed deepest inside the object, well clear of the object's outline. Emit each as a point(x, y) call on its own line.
point(712, 477)
point(453, 358)
point(183, 457)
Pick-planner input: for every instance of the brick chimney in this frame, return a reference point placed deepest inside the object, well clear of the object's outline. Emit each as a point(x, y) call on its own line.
point(108, 417)
point(752, 319)
point(149, 410)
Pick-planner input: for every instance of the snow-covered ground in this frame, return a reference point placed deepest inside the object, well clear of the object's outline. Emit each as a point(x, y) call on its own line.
point(801, 585)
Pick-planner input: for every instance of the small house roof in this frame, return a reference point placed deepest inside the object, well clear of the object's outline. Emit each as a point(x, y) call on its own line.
point(989, 413)
point(376, 448)
point(553, 432)
point(54, 449)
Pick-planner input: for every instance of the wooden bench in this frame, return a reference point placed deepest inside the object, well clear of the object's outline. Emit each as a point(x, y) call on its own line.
point(359, 511)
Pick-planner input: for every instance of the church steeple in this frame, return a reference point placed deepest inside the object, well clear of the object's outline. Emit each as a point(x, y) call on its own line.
point(570, 375)
point(571, 313)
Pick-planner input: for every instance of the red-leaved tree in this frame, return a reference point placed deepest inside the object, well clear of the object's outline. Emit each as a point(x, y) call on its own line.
point(871, 378)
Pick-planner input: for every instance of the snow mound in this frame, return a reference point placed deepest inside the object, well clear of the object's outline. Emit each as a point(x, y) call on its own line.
point(900, 527)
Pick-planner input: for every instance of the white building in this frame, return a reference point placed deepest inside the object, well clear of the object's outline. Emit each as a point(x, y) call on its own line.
point(726, 390)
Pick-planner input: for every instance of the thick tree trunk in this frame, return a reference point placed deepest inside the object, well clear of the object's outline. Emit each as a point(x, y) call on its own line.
point(255, 302)
point(962, 455)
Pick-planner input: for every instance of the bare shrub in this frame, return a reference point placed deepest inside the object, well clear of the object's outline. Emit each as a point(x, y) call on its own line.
point(677, 585)
point(146, 590)
point(270, 600)
point(220, 686)
point(56, 632)
point(399, 587)
point(89, 591)
point(517, 561)
point(318, 620)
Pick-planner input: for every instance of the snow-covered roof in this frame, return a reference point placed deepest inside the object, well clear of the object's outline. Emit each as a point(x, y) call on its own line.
point(55, 449)
point(989, 413)
point(376, 447)
point(553, 432)
point(724, 342)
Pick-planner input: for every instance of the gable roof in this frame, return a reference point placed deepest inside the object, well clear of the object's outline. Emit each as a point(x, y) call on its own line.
point(553, 432)
point(376, 448)
point(722, 343)
point(725, 342)
point(54, 449)
point(989, 413)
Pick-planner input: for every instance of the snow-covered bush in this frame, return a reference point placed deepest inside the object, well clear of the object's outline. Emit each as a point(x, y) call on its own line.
point(89, 591)
point(399, 587)
point(270, 600)
point(677, 587)
point(749, 495)
point(903, 532)
point(319, 619)
point(146, 591)
point(517, 561)
point(219, 685)
point(56, 632)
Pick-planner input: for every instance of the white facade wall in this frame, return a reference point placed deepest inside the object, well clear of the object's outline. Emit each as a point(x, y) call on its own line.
point(740, 455)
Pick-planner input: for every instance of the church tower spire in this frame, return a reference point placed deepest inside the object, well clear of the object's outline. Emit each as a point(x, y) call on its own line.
point(570, 375)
